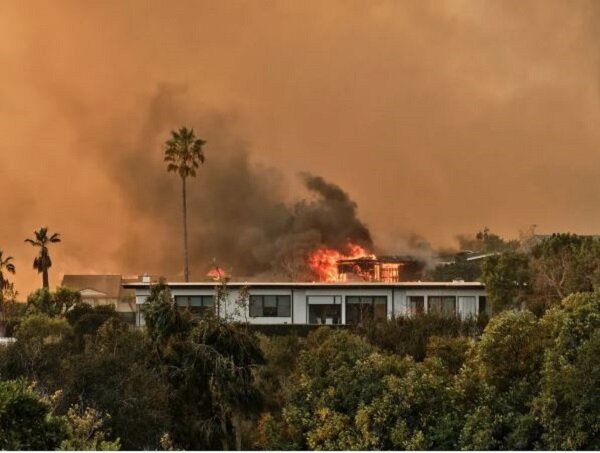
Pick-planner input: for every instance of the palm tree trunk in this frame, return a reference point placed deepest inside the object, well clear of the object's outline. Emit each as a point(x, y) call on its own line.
point(186, 270)
point(45, 283)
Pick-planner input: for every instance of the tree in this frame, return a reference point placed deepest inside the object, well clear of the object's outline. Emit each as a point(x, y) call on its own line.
point(162, 317)
point(115, 373)
point(487, 242)
point(26, 419)
point(42, 262)
point(484, 242)
point(6, 288)
point(39, 347)
point(183, 155)
point(498, 382)
point(564, 264)
point(86, 431)
point(568, 405)
point(50, 303)
point(6, 265)
point(507, 279)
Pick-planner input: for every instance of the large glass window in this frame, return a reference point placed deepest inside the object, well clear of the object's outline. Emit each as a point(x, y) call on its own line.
point(442, 305)
point(198, 305)
point(360, 309)
point(325, 314)
point(270, 306)
point(467, 306)
point(416, 305)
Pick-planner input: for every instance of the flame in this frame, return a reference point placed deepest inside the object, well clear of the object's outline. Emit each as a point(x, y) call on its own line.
point(216, 273)
point(323, 261)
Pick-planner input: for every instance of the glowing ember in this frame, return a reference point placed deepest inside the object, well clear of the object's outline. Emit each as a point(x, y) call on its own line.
point(323, 261)
point(216, 273)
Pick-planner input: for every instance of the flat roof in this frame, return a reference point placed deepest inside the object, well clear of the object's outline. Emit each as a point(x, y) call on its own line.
point(322, 285)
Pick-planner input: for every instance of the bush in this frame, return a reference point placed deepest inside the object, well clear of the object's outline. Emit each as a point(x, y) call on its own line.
point(410, 335)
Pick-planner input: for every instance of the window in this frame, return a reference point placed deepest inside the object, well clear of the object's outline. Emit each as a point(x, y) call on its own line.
point(365, 308)
point(270, 306)
point(467, 306)
point(416, 305)
point(484, 307)
point(324, 309)
point(198, 305)
point(325, 314)
point(442, 305)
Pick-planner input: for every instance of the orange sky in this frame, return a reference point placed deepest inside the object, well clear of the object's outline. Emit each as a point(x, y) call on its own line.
point(436, 117)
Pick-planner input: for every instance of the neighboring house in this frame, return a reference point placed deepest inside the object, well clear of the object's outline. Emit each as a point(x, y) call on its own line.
point(104, 290)
point(326, 303)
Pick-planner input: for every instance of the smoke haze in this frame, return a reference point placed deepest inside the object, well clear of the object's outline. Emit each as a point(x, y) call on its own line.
point(434, 117)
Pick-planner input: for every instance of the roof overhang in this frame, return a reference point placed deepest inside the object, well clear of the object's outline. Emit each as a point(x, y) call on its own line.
point(320, 285)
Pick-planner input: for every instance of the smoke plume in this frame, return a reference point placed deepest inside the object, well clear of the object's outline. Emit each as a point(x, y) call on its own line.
point(239, 214)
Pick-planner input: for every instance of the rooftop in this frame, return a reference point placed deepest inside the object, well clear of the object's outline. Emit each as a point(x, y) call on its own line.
point(418, 284)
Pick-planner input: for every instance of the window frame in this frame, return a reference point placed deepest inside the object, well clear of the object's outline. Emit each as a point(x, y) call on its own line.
point(415, 311)
point(442, 297)
point(371, 315)
point(278, 299)
point(196, 309)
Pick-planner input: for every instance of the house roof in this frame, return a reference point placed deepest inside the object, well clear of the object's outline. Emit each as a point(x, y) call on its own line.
point(106, 284)
point(320, 285)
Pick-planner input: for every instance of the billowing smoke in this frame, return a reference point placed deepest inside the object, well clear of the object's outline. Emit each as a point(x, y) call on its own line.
point(239, 214)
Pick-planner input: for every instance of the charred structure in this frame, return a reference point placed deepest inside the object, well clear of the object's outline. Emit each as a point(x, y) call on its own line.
point(389, 269)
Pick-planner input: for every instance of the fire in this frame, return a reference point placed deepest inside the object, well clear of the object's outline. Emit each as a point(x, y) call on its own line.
point(323, 261)
point(216, 273)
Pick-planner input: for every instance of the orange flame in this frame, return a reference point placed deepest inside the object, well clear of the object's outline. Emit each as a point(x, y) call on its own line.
point(216, 273)
point(323, 261)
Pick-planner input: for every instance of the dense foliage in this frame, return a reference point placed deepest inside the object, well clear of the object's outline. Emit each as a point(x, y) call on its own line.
point(79, 378)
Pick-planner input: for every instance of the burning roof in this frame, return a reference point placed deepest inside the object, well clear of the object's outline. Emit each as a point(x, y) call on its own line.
point(357, 264)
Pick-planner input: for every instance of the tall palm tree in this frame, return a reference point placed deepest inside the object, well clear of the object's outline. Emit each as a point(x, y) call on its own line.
point(5, 265)
point(42, 262)
point(5, 286)
point(183, 155)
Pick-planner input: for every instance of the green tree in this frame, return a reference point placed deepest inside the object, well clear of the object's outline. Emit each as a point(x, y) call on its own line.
point(39, 347)
point(564, 264)
point(410, 335)
point(209, 364)
point(507, 279)
point(26, 419)
point(460, 269)
point(87, 431)
point(162, 317)
point(6, 288)
point(484, 242)
point(115, 373)
point(451, 351)
point(50, 303)
point(487, 242)
point(498, 383)
point(569, 404)
point(6, 265)
point(415, 410)
point(183, 155)
point(42, 262)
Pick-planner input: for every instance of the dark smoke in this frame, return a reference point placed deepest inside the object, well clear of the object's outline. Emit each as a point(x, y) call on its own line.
point(239, 215)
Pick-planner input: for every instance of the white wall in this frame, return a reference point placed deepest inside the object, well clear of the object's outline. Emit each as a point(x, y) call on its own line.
point(396, 301)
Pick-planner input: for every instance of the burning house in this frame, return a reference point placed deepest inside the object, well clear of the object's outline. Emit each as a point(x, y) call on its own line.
point(389, 269)
point(331, 265)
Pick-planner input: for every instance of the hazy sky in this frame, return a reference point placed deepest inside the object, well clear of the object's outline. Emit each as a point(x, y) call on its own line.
point(436, 117)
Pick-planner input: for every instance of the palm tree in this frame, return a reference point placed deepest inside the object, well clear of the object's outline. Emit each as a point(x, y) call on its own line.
point(5, 286)
point(183, 154)
point(42, 262)
point(5, 265)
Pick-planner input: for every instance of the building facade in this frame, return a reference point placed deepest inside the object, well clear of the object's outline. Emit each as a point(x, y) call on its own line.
point(325, 303)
